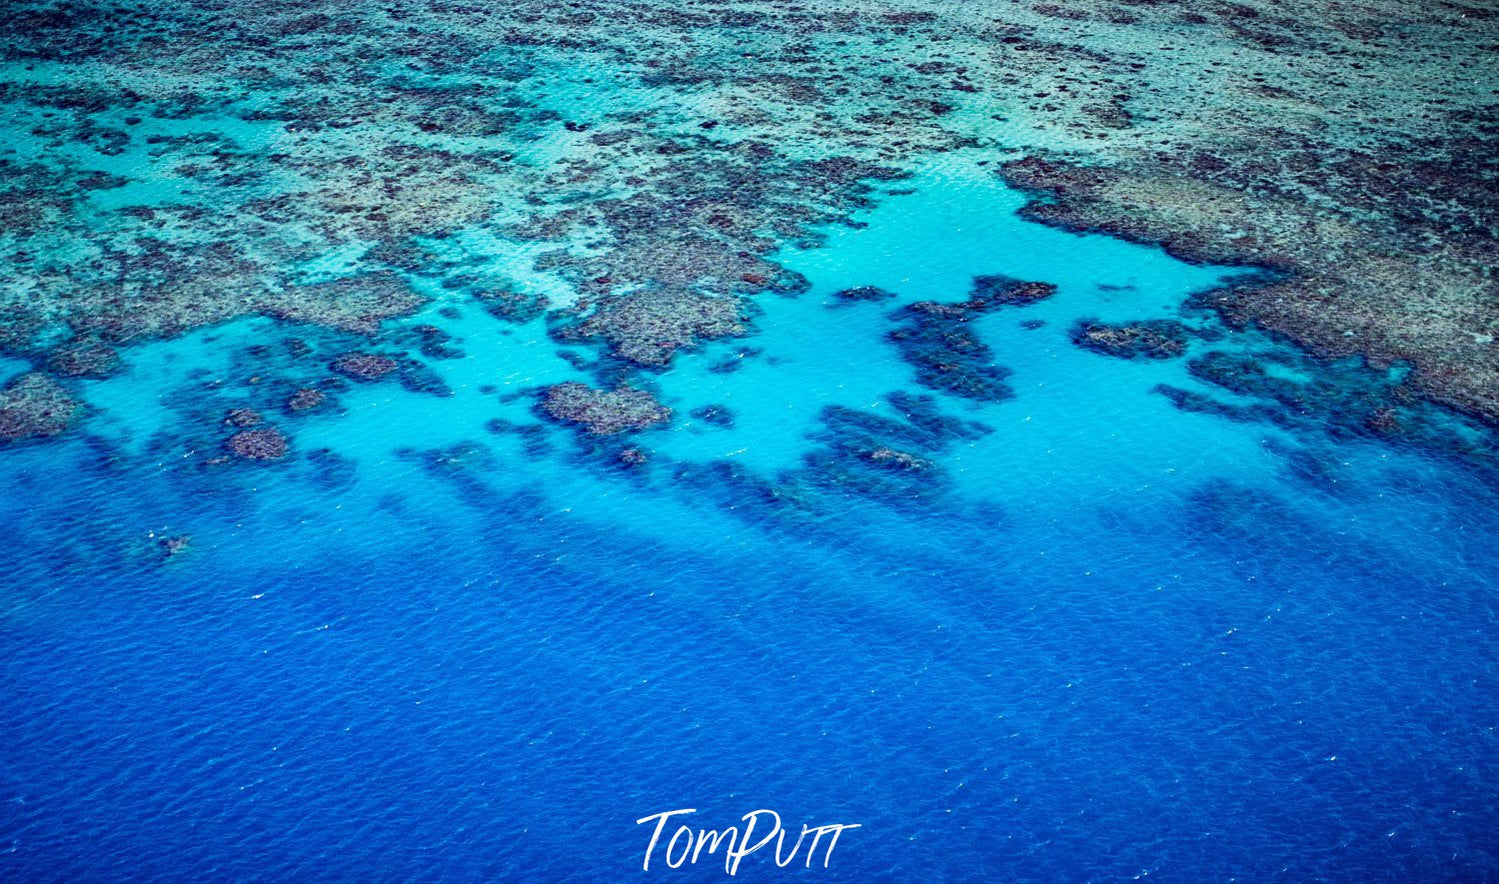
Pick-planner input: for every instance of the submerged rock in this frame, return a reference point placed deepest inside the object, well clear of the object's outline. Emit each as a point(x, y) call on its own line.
point(884, 455)
point(461, 456)
point(601, 413)
point(175, 545)
point(1383, 420)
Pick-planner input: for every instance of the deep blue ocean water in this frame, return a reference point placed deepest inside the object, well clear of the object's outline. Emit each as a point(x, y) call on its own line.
point(1121, 640)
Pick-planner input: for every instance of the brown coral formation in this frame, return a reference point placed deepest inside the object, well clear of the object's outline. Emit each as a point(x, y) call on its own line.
point(266, 443)
point(861, 293)
point(936, 339)
point(1342, 285)
point(1342, 147)
point(84, 359)
point(1152, 339)
point(601, 413)
point(305, 399)
point(356, 304)
point(364, 366)
point(649, 327)
point(175, 545)
point(34, 406)
point(242, 417)
point(897, 459)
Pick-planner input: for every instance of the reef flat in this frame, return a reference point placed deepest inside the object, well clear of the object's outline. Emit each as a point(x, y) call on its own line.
point(171, 167)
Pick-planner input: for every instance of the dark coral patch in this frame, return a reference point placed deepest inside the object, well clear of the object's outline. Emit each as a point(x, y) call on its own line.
point(429, 340)
point(863, 293)
point(996, 291)
point(947, 355)
point(717, 415)
point(533, 436)
point(1342, 399)
point(306, 399)
point(174, 545)
point(936, 340)
point(890, 458)
point(649, 327)
point(34, 406)
point(513, 306)
point(364, 366)
point(242, 417)
point(266, 443)
point(84, 358)
point(1151, 339)
point(894, 458)
point(460, 457)
point(601, 413)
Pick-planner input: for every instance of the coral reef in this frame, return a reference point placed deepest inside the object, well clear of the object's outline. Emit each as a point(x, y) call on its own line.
point(1342, 399)
point(242, 417)
point(862, 293)
point(513, 306)
point(1152, 339)
point(603, 413)
point(887, 458)
point(175, 545)
point(84, 358)
point(357, 304)
point(460, 457)
point(1376, 230)
point(306, 399)
point(648, 327)
point(34, 406)
point(364, 366)
point(948, 356)
point(535, 441)
point(266, 443)
point(335, 168)
point(995, 291)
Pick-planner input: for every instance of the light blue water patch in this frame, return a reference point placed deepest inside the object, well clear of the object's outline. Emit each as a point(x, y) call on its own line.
point(11, 368)
point(961, 222)
point(506, 263)
point(930, 245)
point(137, 404)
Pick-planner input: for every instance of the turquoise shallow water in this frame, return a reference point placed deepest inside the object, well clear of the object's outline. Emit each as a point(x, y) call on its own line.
point(1110, 638)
